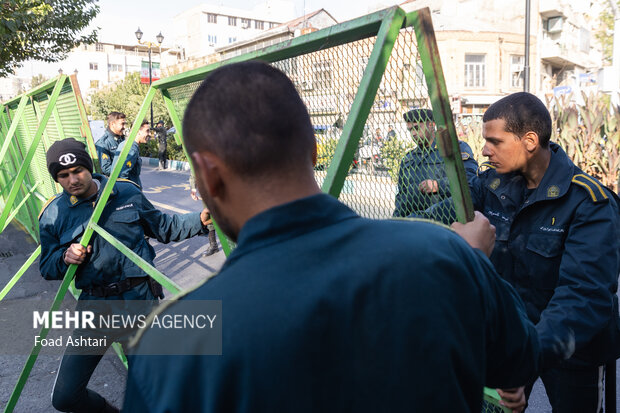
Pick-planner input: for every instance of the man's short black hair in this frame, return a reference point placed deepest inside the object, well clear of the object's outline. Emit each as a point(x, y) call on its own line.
point(522, 112)
point(250, 115)
point(112, 116)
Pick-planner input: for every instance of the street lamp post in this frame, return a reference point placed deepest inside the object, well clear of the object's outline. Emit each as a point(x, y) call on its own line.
point(160, 39)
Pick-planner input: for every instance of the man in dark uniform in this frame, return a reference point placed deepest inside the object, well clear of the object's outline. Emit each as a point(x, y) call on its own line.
point(161, 133)
point(557, 244)
point(314, 322)
point(422, 179)
point(104, 273)
point(107, 144)
point(212, 248)
point(132, 167)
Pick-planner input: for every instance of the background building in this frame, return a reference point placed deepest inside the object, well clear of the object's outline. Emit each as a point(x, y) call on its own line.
point(482, 48)
point(96, 65)
point(204, 28)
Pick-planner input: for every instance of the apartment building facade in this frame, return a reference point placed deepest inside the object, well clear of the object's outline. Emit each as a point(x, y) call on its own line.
point(204, 28)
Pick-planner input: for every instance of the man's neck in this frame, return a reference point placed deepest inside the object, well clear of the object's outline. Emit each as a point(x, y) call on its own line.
point(251, 203)
point(94, 188)
point(536, 167)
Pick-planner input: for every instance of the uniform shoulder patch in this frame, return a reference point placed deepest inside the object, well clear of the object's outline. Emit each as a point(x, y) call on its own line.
point(161, 308)
point(592, 186)
point(127, 180)
point(47, 203)
point(464, 156)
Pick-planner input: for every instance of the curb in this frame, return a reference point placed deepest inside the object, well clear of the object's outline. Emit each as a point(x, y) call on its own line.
point(172, 164)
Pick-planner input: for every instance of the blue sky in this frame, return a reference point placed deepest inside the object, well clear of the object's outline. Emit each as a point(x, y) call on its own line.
point(119, 19)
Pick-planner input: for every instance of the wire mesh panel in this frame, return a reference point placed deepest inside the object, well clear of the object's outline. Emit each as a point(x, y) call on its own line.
point(395, 171)
point(64, 120)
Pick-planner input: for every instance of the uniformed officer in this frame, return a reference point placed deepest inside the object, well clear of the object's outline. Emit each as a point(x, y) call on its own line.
point(422, 179)
point(103, 273)
point(107, 144)
point(133, 163)
point(212, 248)
point(162, 140)
point(313, 320)
point(557, 244)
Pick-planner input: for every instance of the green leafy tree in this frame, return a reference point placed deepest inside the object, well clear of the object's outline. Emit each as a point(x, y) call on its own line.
point(605, 32)
point(127, 96)
point(42, 30)
point(37, 80)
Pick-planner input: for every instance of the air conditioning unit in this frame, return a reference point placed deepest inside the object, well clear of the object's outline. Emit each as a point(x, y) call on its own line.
point(554, 24)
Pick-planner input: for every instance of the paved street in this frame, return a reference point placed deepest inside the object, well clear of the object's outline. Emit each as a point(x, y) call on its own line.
point(182, 261)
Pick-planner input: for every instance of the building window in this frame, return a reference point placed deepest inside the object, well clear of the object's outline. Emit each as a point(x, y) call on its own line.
point(272, 25)
point(516, 71)
point(232, 39)
point(85, 46)
point(212, 39)
point(211, 18)
point(115, 68)
point(94, 84)
point(259, 24)
point(93, 66)
point(322, 75)
point(99, 47)
point(584, 40)
point(475, 70)
point(245, 23)
point(232, 21)
point(553, 24)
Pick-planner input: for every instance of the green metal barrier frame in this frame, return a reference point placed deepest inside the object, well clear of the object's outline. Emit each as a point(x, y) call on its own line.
point(385, 24)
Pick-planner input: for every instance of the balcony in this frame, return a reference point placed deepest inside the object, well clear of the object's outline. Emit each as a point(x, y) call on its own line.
point(557, 54)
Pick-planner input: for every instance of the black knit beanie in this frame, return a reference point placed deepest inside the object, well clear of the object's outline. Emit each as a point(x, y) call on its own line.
point(66, 154)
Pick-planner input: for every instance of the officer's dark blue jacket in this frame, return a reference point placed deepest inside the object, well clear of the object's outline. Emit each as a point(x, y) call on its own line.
point(315, 321)
point(133, 163)
point(559, 247)
point(128, 216)
point(420, 164)
point(106, 148)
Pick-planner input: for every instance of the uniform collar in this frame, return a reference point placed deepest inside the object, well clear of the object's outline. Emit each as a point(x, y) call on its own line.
point(74, 201)
point(558, 176)
point(289, 221)
point(555, 182)
point(117, 138)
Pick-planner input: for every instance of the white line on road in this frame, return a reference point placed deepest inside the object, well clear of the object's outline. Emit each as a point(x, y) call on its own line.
point(170, 207)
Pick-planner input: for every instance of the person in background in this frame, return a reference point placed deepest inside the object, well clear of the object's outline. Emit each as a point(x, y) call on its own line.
point(161, 133)
point(422, 180)
point(133, 163)
point(212, 248)
point(108, 143)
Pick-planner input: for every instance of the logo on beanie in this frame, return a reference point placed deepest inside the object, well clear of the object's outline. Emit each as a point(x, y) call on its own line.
point(67, 159)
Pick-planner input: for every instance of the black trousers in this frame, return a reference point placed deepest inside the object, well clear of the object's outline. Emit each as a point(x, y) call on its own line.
point(70, 392)
point(573, 389)
point(163, 156)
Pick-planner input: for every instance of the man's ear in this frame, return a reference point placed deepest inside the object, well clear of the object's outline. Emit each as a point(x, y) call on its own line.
point(530, 140)
point(208, 170)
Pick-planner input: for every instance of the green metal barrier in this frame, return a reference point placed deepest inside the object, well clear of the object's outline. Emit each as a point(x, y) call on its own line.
point(355, 77)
